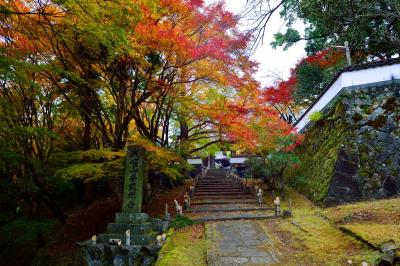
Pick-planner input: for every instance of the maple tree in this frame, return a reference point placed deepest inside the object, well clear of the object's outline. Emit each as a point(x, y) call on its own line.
point(170, 75)
point(306, 82)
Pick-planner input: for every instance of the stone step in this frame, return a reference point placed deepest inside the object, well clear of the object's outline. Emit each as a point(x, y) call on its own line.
point(133, 218)
point(223, 201)
point(221, 193)
point(145, 239)
point(136, 229)
point(218, 184)
point(224, 180)
point(217, 171)
point(229, 208)
point(217, 180)
point(220, 190)
point(213, 197)
point(224, 191)
point(229, 216)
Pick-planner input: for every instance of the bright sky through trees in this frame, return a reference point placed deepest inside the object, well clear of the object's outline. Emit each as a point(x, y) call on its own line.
point(271, 60)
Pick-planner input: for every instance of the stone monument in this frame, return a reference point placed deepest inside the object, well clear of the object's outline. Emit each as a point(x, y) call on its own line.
point(132, 238)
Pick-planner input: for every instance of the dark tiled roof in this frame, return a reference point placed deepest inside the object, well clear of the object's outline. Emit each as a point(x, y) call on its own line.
point(352, 68)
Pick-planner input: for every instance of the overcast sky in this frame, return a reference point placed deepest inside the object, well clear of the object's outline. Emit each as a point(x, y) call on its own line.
point(271, 60)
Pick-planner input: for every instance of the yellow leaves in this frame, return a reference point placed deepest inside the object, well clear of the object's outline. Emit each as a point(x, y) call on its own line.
point(155, 153)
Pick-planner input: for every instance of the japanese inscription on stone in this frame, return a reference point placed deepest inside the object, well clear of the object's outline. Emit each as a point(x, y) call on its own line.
point(135, 171)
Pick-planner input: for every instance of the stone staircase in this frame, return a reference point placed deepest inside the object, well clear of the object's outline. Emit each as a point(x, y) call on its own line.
point(219, 198)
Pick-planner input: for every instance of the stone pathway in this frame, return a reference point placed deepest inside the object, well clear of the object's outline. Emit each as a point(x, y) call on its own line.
point(233, 235)
point(238, 243)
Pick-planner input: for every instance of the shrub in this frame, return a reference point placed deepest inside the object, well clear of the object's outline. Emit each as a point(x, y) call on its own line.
point(181, 221)
point(316, 116)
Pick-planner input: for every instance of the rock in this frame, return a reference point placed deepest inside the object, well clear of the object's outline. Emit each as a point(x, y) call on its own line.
point(389, 253)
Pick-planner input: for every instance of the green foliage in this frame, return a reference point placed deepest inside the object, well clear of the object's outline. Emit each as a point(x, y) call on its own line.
point(87, 172)
point(258, 167)
point(181, 221)
point(21, 239)
point(287, 39)
point(164, 160)
point(4, 219)
point(89, 156)
point(310, 82)
point(334, 22)
point(22, 231)
point(316, 116)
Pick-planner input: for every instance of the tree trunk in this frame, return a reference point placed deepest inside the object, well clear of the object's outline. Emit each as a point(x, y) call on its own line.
point(87, 132)
point(184, 138)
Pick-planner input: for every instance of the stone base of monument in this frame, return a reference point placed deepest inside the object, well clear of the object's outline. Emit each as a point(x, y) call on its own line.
point(111, 247)
point(132, 239)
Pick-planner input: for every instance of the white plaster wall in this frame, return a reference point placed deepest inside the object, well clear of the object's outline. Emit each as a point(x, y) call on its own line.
point(237, 160)
point(347, 79)
point(194, 161)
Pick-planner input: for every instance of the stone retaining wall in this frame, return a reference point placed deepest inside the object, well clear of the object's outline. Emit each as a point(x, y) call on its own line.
point(353, 153)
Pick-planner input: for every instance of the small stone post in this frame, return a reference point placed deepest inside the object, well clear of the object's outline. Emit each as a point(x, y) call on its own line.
point(159, 240)
point(191, 191)
point(277, 203)
point(167, 216)
point(178, 208)
point(128, 237)
point(260, 196)
point(185, 204)
point(188, 198)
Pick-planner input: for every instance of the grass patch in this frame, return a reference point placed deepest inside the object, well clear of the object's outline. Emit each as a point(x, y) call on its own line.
point(186, 246)
point(181, 221)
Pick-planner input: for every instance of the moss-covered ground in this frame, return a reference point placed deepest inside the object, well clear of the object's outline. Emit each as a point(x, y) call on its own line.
point(313, 236)
point(375, 222)
point(185, 246)
point(309, 238)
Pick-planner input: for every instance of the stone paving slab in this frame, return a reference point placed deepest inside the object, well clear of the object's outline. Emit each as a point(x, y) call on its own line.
point(238, 243)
